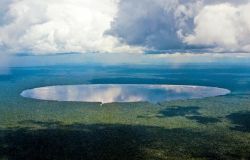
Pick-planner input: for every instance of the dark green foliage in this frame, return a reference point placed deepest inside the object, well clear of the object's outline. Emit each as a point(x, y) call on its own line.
point(179, 111)
point(203, 119)
point(113, 142)
point(241, 120)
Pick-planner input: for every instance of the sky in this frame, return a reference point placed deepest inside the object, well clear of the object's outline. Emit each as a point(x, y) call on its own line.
point(48, 27)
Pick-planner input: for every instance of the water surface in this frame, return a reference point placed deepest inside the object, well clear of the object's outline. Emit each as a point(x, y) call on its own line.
point(108, 93)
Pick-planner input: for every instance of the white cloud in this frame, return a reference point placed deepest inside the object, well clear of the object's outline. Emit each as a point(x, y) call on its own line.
point(219, 25)
point(224, 27)
point(52, 26)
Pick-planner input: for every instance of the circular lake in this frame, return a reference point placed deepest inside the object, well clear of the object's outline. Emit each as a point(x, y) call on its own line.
point(108, 93)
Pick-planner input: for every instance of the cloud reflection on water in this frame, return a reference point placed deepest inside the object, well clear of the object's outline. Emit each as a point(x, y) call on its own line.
point(108, 93)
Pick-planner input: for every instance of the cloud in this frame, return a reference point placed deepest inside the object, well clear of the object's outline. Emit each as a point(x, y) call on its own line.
point(156, 24)
point(50, 26)
point(220, 26)
point(224, 27)
point(149, 23)
point(124, 26)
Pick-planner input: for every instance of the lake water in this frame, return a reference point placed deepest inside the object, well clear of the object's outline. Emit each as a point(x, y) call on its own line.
point(108, 93)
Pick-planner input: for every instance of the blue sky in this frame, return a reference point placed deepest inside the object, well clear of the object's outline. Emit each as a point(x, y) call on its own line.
point(46, 27)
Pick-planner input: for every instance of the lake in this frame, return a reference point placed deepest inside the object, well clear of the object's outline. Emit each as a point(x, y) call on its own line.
point(108, 93)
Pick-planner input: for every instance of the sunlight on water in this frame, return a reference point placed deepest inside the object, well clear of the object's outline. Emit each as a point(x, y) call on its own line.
point(108, 93)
